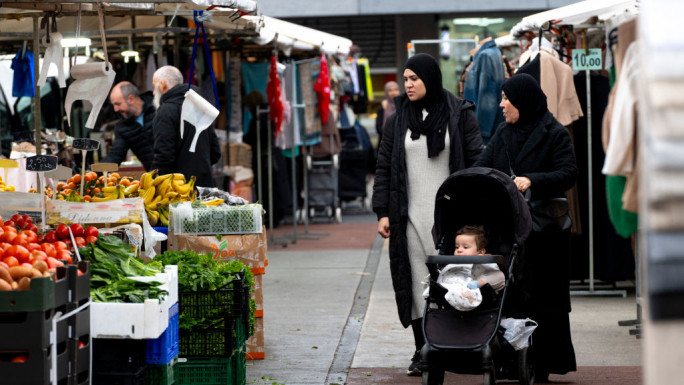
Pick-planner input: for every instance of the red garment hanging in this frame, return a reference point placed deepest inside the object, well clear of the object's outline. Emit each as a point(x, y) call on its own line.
point(273, 93)
point(322, 88)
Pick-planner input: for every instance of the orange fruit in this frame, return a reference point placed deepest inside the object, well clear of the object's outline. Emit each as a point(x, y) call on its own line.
point(114, 175)
point(87, 198)
point(125, 182)
point(76, 178)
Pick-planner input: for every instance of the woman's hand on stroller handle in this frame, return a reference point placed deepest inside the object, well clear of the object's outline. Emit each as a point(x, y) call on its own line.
point(383, 227)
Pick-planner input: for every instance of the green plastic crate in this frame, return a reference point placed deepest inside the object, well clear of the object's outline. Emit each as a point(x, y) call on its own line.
point(239, 362)
point(161, 374)
point(205, 371)
point(39, 297)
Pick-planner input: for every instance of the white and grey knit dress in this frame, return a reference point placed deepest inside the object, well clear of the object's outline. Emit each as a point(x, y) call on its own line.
point(424, 176)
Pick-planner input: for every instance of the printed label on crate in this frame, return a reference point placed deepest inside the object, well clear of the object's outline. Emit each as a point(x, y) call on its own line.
point(250, 249)
point(115, 211)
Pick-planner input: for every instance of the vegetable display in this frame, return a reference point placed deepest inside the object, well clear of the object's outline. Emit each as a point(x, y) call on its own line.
point(112, 263)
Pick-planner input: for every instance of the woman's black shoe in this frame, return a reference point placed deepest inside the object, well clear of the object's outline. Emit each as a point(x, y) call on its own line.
point(416, 367)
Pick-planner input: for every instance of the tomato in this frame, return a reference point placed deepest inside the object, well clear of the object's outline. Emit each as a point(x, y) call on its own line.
point(80, 241)
point(20, 359)
point(4, 264)
point(59, 245)
point(22, 240)
point(19, 223)
point(11, 261)
point(34, 246)
point(19, 252)
point(53, 263)
point(76, 229)
point(49, 249)
point(8, 236)
point(10, 224)
point(91, 239)
point(4, 246)
point(92, 231)
point(62, 231)
point(33, 228)
point(7, 228)
point(15, 217)
point(27, 219)
point(32, 237)
point(64, 254)
point(51, 237)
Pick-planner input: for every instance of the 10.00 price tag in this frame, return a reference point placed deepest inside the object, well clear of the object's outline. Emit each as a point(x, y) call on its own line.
point(587, 60)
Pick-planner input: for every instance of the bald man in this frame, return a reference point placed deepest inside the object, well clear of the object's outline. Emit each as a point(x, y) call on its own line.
point(134, 130)
point(171, 152)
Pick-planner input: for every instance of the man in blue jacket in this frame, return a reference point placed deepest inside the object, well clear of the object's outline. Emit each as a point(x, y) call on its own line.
point(134, 130)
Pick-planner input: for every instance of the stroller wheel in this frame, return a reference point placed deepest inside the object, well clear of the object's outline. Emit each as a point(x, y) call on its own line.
point(433, 376)
point(525, 366)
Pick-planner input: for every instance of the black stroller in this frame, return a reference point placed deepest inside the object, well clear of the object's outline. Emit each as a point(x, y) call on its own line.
point(472, 342)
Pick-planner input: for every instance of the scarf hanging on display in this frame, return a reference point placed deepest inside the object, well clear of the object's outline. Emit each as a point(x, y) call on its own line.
point(273, 93)
point(24, 76)
point(235, 120)
point(322, 88)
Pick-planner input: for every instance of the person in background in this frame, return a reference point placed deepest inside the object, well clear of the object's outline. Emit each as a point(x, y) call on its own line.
point(171, 152)
point(386, 107)
point(536, 150)
point(134, 130)
point(431, 135)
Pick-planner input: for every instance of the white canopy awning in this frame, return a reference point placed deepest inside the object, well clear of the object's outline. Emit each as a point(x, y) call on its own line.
point(575, 14)
point(287, 36)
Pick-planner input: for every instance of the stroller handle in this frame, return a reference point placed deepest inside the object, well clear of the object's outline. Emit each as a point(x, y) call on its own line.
point(474, 259)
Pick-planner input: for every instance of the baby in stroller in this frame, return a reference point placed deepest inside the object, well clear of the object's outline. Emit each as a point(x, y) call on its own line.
point(463, 281)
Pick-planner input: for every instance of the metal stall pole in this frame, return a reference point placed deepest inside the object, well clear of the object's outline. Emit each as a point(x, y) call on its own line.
point(37, 121)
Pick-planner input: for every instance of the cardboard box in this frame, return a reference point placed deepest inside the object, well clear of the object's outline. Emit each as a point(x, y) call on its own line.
point(250, 249)
point(255, 344)
point(258, 295)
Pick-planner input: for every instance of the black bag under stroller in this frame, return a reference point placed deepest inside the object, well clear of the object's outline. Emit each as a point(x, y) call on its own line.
point(471, 342)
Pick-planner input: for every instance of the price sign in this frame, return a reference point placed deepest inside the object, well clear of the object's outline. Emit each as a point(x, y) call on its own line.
point(587, 59)
point(41, 163)
point(85, 144)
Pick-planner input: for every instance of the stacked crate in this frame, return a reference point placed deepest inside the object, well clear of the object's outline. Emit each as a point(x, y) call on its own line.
point(137, 343)
point(215, 356)
point(50, 320)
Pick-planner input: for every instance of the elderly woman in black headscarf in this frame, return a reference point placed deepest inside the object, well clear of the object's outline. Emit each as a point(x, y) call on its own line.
point(536, 150)
point(431, 134)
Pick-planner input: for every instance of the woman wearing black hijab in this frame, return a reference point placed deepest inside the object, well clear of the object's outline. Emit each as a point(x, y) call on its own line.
point(532, 145)
point(431, 134)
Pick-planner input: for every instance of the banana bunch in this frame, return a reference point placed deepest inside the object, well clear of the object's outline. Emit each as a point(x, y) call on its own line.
point(6, 187)
point(213, 202)
point(110, 193)
point(158, 191)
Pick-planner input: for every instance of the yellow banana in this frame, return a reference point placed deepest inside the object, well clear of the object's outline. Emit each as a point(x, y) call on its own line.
point(104, 198)
point(156, 199)
point(178, 176)
point(184, 188)
point(165, 186)
point(171, 195)
point(108, 189)
point(164, 202)
point(152, 207)
point(159, 179)
point(164, 216)
point(152, 216)
point(132, 189)
point(146, 179)
point(149, 195)
point(213, 202)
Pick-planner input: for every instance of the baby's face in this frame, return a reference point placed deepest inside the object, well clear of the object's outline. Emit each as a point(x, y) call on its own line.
point(466, 245)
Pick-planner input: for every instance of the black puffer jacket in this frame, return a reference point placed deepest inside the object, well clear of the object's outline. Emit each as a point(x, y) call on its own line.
point(390, 196)
point(129, 134)
point(171, 153)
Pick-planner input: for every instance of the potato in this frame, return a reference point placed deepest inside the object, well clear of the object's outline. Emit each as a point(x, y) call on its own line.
point(35, 273)
point(4, 286)
point(24, 284)
point(14, 285)
point(41, 266)
point(4, 274)
point(18, 272)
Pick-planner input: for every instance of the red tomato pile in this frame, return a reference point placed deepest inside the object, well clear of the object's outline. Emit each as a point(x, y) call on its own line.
point(21, 245)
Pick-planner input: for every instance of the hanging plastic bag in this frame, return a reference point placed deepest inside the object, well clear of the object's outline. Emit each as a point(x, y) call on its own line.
point(518, 331)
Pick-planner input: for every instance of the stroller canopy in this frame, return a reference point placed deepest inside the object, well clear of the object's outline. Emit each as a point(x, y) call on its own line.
point(481, 196)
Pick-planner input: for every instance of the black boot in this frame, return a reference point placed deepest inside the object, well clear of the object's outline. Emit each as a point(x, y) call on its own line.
point(416, 367)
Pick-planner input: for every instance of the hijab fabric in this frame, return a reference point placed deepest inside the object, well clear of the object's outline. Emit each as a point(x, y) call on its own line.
point(434, 126)
point(524, 93)
point(390, 108)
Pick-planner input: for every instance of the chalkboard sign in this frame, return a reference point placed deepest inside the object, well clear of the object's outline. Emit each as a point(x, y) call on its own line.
point(41, 163)
point(85, 144)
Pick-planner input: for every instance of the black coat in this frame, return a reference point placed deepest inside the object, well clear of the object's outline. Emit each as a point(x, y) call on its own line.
point(543, 291)
point(129, 134)
point(171, 153)
point(390, 197)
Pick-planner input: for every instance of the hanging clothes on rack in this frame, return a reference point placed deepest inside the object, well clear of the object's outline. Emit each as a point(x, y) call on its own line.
point(483, 85)
point(556, 79)
point(308, 72)
point(322, 88)
point(24, 74)
point(624, 221)
point(235, 99)
point(614, 260)
point(254, 77)
point(290, 137)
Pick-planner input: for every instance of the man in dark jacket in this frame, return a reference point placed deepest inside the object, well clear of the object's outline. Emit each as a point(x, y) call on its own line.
point(171, 152)
point(134, 130)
